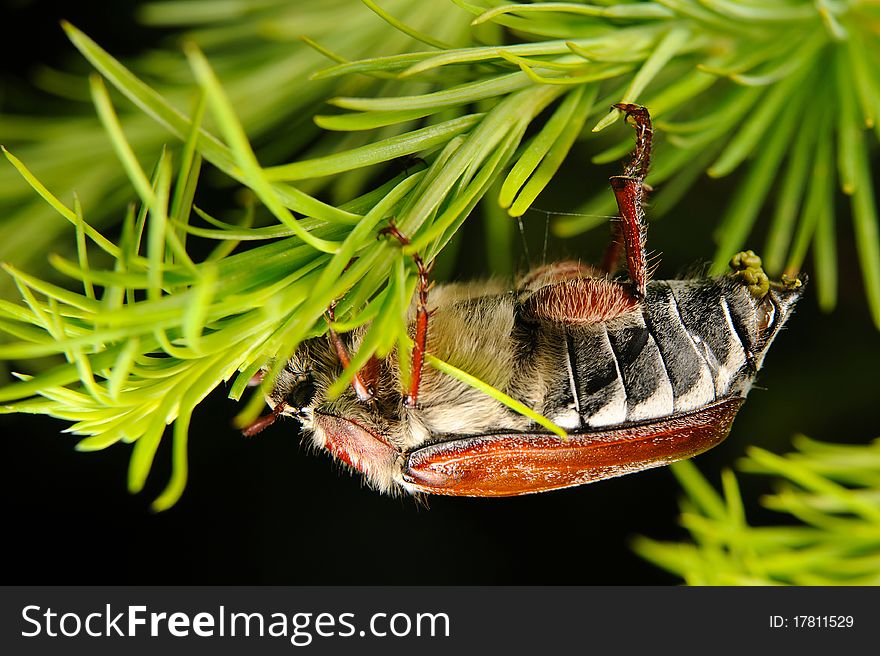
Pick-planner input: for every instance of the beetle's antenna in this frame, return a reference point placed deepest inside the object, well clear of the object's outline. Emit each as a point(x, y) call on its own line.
point(262, 423)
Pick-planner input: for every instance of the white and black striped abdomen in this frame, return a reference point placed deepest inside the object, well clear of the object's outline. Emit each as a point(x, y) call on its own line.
point(687, 346)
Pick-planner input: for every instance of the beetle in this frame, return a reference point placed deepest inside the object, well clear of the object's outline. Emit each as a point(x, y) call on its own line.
point(639, 373)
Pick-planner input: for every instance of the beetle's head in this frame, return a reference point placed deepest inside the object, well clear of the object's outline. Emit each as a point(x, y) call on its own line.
point(300, 385)
point(303, 385)
point(356, 432)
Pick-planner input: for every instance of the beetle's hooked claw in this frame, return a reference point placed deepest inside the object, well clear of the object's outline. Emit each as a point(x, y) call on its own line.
point(641, 160)
point(391, 229)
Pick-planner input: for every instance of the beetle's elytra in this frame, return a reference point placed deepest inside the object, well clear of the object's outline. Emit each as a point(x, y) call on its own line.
point(640, 373)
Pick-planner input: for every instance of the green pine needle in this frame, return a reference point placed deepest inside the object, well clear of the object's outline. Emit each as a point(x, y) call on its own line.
point(831, 494)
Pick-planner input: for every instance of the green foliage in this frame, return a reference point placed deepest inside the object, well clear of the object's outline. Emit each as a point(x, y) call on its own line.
point(490, 98)
point(831, 496)
point(258, 50)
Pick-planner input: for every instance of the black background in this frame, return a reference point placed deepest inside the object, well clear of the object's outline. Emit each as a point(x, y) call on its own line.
point(265, 510)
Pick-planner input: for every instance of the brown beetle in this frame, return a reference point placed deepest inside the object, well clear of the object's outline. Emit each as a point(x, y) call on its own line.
point(639, 373)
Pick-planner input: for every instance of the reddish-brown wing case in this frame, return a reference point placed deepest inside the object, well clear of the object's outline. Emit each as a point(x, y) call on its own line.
point(513, 464)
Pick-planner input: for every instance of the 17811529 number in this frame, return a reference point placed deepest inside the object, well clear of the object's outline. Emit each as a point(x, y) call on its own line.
point(812, 622)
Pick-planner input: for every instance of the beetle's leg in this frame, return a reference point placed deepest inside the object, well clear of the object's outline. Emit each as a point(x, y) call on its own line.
point(413, 162)
point(629, 190)
point(363, 388)
point(410, 399)
point(611, 258)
